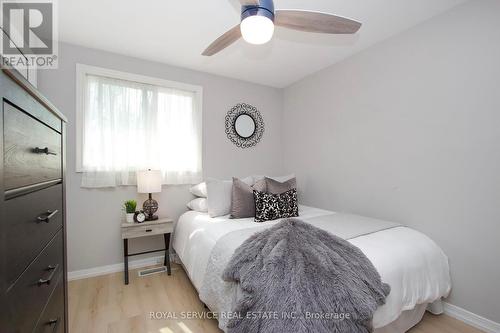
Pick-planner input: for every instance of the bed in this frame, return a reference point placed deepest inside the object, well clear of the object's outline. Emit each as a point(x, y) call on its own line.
point(410, 262)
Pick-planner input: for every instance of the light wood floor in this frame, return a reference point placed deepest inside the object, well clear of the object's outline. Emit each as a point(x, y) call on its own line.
point(105, 304)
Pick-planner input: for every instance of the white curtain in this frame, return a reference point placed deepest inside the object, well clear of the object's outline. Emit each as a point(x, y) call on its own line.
point(129, 126)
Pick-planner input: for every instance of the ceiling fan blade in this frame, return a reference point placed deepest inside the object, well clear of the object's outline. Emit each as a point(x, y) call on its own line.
point(249, 2)
point(311, 21)
point(223, 41)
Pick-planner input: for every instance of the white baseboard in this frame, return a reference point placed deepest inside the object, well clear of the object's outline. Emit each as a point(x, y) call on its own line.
point(472, 319)
point(103, 270)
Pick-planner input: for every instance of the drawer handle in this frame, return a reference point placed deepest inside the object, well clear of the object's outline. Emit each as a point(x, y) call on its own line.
point(54, 322)
point(53, 270)
point(47, 216)
point(45, 151)
point(149, 230)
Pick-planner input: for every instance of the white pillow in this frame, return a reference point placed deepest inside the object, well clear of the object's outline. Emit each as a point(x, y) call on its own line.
point(200, 190)
point(219, 195)
point(198, 205)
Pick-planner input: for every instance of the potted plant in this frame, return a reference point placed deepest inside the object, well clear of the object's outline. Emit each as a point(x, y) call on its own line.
point(129, 207)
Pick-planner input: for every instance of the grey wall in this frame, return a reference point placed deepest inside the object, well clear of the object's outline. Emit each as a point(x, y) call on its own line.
point(409, 130)
point(94, 216)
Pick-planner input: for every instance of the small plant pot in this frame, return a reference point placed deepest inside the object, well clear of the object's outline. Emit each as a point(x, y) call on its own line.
point(129, 217)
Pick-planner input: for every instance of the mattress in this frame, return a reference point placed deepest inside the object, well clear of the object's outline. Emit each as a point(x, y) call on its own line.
point(410, 262)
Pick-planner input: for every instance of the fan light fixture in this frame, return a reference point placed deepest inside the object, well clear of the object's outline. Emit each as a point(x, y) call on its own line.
point(257, 29)
point(258, 18)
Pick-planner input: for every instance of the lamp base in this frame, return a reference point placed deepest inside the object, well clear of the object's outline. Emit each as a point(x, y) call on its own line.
point(151, 218)
point(150, 207)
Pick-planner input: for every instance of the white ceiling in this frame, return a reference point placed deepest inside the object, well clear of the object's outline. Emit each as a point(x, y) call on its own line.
point(177, 31)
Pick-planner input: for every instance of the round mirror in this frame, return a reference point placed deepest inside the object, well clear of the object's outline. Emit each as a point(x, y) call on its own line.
point(244, 126)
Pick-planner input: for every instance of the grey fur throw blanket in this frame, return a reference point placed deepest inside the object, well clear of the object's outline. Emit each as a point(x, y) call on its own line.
point(295, 277)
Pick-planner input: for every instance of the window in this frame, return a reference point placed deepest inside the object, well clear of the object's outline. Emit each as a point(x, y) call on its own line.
point(128, 122)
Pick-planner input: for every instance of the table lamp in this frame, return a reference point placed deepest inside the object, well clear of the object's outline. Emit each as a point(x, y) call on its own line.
point(149, 182)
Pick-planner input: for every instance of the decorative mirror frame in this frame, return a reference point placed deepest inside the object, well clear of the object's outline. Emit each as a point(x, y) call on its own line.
point(252, 112)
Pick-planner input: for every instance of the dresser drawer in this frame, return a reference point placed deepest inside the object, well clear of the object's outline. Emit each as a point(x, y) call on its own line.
point(32, 150)
point(29, 222)
point(52, 319)
point(27, 297)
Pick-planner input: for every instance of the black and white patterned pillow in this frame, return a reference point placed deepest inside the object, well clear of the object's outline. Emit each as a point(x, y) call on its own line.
point(270, 206)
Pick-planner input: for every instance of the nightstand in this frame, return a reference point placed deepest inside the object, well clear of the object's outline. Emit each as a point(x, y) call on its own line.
point(162, 226)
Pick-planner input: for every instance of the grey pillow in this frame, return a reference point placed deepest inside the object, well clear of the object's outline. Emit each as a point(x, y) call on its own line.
point(242, 200)
point(276, 187)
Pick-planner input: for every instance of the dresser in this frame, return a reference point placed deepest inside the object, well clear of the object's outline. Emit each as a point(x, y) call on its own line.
point(33, 272)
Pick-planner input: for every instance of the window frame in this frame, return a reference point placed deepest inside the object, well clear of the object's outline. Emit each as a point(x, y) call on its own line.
point(83, 70)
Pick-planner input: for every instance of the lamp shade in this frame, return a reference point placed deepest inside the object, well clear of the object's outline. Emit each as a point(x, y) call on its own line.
point(149, 181)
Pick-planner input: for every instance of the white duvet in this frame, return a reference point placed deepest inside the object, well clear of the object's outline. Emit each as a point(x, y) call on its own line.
point(410, 262)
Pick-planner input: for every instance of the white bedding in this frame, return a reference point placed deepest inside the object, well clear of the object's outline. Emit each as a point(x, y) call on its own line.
point(411, 263)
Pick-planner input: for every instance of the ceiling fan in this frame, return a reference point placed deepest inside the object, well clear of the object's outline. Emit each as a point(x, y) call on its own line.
point(258, 18)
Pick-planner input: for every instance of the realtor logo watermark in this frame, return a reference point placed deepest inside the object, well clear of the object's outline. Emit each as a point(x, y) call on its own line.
point(29, 37)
